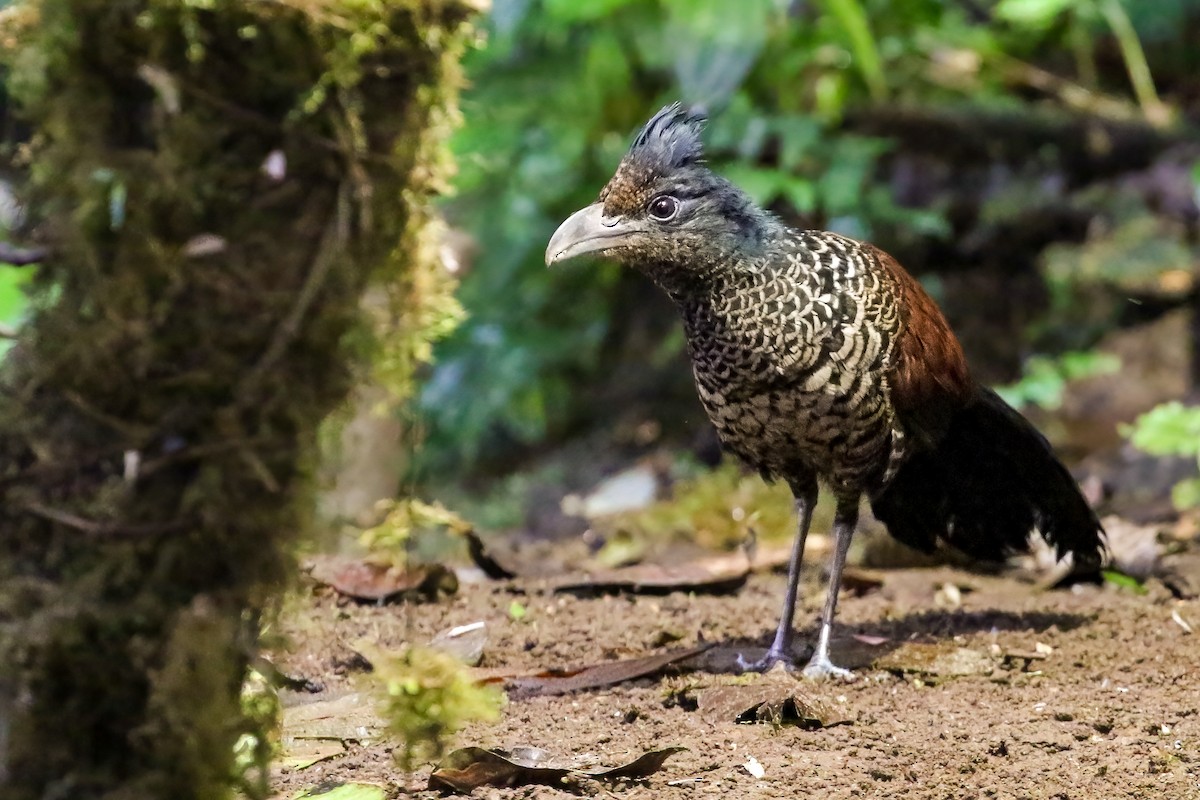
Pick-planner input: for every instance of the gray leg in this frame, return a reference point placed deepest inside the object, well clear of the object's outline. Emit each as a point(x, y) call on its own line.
point(781, 646)
point(844, 524)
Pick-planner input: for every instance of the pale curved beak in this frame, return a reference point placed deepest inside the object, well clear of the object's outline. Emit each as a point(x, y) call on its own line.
point(587, 231)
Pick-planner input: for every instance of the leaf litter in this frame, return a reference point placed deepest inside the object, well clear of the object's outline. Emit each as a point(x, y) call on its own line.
point(710, 574)
point(776, 698)
point(522, 686)
point(380, 581)
point(469, 768)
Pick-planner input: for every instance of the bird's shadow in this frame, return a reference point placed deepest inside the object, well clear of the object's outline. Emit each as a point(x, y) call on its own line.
point(860, 646)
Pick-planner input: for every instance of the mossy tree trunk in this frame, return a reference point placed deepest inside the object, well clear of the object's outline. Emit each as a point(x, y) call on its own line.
point(219, 182)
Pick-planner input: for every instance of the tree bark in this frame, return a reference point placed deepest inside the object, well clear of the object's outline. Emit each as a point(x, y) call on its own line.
point(218, 183)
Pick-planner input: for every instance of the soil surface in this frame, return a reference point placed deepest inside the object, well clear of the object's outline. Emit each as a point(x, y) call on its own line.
point(990, 688)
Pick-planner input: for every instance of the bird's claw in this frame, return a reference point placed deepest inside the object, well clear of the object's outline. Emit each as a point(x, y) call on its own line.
point(822, 669)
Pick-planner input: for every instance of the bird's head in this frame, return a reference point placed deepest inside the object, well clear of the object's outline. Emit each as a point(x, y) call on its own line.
point(664, 211)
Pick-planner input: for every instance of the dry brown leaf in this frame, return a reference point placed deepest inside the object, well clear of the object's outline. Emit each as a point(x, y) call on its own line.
point(469, 768)
point(592, 676)
point(713, 576)
point(374, 581)
point(485, 560)
point(776, 698)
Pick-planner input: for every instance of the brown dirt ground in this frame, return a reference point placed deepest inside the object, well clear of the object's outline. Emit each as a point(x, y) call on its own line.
point(1112, 711)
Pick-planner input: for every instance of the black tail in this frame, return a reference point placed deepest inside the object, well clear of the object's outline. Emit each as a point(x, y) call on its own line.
point(989, 482)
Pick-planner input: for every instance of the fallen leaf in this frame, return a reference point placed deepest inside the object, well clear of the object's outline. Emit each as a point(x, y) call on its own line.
point(859, 580)
point(715, 575)
point(469, 768)
point(464, 642)
point(485, 560)
point(643, 766)
point(561, 681)
point(1133, 550)
point(773, 699)
point(374, 581)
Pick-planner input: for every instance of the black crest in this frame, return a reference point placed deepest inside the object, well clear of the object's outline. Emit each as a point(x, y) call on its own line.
point(671, 139)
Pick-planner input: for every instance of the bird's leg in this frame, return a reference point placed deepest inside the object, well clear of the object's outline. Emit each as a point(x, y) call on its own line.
point(844, 523)
point(780, 650)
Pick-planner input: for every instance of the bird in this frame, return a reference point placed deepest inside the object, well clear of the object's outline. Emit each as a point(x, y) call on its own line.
point(822, 362)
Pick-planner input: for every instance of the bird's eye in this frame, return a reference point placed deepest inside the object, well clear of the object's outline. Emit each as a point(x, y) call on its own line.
point(663, 207)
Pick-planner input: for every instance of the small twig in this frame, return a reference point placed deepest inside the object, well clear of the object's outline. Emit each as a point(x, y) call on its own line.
point(101, 529)
point(1135, 62)
point(196, 453)
point(260, 470)
point(1071, 94)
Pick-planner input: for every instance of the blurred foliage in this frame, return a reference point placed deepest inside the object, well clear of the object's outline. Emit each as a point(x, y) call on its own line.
point(1171, 429)
point(13, 302)
point(717, 509)
point(408, 524)
point(1046, 377)
point(427, 696)
point(256, 747)
point(559, 86)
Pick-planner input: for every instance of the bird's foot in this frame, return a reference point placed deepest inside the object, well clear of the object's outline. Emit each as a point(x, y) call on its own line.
point(822, 669)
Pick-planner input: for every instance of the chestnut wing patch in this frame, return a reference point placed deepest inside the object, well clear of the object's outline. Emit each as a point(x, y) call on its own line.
point(930, 379)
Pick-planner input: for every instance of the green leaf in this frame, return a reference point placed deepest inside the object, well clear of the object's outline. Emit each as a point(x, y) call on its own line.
point(516, 611)
point(763, 185)
point(1122, 580)
point(1046, 377)
point(801, 193)
point(13, 301)
point(1171, 429)
point(1186, 494)
point(798, 137)
point(851, 16)
point(1033, 13)
point(1086, 364)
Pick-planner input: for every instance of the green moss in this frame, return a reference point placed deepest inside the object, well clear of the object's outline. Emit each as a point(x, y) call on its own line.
point(198, 320)
point(428, 696)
